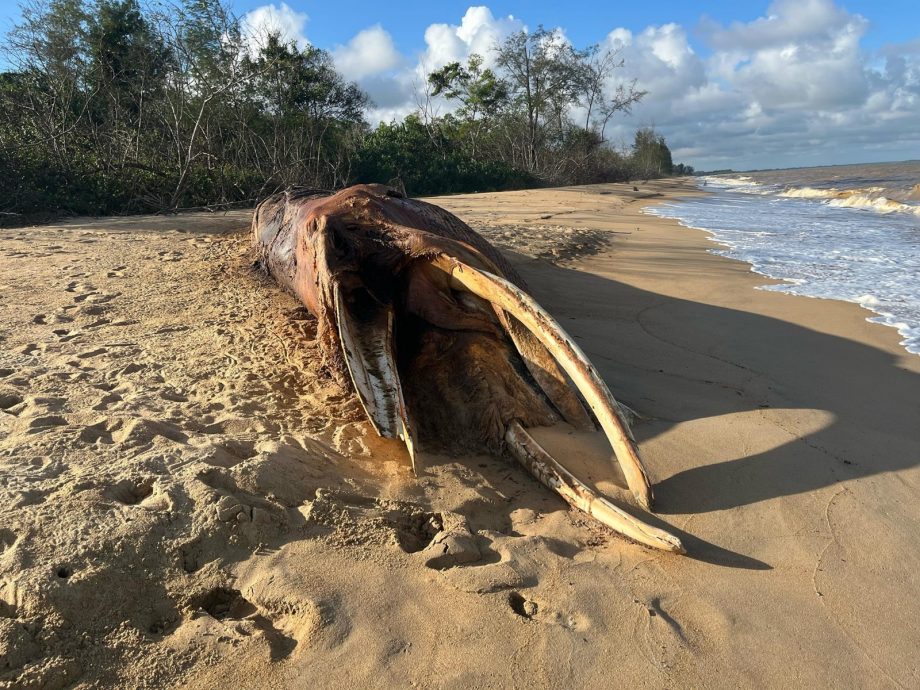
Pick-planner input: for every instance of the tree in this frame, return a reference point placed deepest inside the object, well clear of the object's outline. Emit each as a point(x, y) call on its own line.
point(129, 108)
point(594, 75)
point(650, 154)
point(542, 71)
point(481, 94)
point(406, 154)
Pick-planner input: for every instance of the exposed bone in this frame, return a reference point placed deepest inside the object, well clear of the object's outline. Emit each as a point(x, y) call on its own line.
point(545, 468)
point(367, 342)
point(507, 296)
point(546, 372)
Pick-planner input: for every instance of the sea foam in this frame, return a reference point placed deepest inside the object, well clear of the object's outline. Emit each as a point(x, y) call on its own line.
point(820, 248)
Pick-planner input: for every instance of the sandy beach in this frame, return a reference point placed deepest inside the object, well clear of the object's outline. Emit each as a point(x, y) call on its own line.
point(188, 500)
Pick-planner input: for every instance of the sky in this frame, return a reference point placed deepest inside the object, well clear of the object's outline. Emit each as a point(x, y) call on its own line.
point(730, 84)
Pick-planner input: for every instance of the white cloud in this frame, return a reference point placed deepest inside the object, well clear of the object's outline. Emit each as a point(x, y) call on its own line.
point(270, 19)
point(397, 93)
point(370, 52)
point(792, 87)
point(787, 22)
point(478, 32)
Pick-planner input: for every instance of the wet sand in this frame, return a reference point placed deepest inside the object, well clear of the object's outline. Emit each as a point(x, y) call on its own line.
point(186, 498)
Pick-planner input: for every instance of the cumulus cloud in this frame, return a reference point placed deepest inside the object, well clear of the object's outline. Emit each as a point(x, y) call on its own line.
point(479, 31)
point(792, 87)
point(272, 19)
point(397, 93)
point(787, 22)
point(370, 52)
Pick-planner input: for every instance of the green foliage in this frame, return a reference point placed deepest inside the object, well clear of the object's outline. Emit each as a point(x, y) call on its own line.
point(424, 161)
point(113, 107)
point(480, 92)
point(651, 156)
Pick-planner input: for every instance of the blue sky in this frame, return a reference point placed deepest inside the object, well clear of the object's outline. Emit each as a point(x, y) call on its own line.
point(731, 84)
point(585, 21)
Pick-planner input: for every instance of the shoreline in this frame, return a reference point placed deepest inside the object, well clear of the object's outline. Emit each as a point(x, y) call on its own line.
point(185, 497)
point(712, 235)
point(784, 430)
point(664, 191)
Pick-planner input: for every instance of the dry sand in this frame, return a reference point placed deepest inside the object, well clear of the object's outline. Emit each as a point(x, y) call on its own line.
point(186, 500)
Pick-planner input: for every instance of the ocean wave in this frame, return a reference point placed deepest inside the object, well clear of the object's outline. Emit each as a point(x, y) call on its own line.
point(740, 182)
point(869, 198)
point(809, 193)
point(879, 204)
point(820, 252)
point(874, 198)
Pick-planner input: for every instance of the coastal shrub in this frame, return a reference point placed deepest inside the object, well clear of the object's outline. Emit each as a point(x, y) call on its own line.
point(118, 106)
point(427, 162)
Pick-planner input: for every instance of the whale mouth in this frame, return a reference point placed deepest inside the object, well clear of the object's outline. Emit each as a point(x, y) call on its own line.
point(441, 348)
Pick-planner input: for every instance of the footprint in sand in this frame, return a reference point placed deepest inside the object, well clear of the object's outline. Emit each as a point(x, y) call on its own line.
point(9, 401)
point(77, 286)
point(37, 424)
point(107, 401)
point(243, 619)
point(7, 539)
point(92, 353)
point(130, 492)
point(661, 636)
point(95, 297)
point(64, 335)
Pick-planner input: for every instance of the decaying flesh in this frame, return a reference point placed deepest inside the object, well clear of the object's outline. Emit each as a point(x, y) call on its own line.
point(439, 339)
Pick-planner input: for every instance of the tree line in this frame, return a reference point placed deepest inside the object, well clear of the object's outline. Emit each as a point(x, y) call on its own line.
point(109, 106)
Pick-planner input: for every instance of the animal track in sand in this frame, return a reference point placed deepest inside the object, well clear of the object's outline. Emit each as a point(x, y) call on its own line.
point(7, 539)
point(93, 353)
point(9, 399)
point(351, 519)
point(231, 607)
point(129, 492)
point(661, 636)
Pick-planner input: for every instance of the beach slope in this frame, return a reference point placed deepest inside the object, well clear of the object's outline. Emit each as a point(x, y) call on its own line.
point(187, 498)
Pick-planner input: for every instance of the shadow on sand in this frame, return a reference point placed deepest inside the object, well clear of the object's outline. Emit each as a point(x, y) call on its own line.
point(679, 360)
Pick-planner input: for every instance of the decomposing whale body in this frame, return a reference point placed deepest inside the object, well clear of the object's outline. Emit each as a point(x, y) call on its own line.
point(438, 337)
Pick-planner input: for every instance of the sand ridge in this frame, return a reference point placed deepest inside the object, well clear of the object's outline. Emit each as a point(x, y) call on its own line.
point(186, 497)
